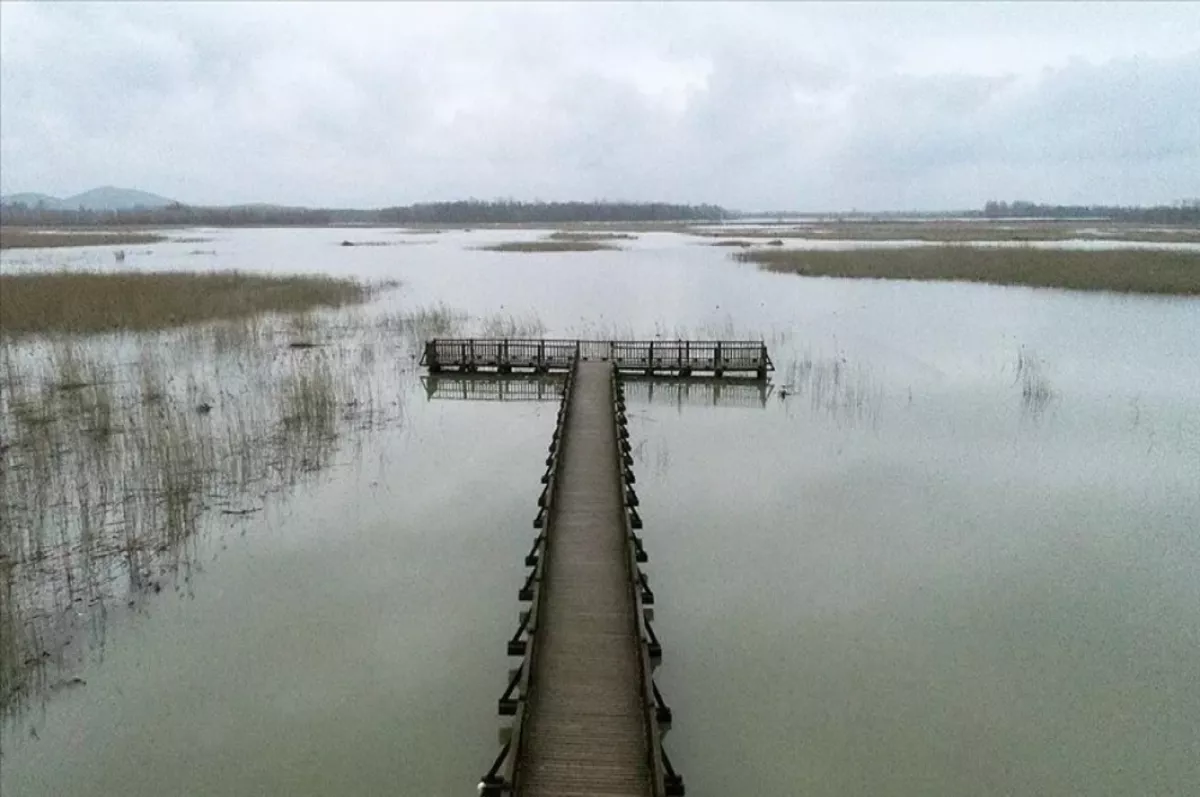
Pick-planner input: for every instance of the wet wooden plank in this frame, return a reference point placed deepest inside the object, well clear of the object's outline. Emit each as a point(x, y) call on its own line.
point(587, 733)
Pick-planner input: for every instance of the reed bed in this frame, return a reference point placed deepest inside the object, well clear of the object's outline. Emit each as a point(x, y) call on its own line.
point(585, 235)
point(548, 246)
point(24, 238)
point(79, 302)
point(964, 232)
point(120, 455)
point(1123, 271)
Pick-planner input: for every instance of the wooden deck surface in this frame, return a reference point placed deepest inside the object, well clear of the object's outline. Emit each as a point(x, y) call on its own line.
point(587, 730)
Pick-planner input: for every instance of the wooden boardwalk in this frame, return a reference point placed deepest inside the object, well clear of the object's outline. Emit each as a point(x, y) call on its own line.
point(587, 717)
point(587, 731)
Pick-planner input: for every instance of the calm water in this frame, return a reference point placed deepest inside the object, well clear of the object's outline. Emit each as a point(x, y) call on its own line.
point(956, 551)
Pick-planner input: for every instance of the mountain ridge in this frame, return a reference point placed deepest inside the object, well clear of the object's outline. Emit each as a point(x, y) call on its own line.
point(105, 197)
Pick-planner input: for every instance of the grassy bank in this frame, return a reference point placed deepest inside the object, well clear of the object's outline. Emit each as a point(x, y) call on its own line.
point(87, 302)
point(1126, 271)
point(24, 238)
point(548, 246)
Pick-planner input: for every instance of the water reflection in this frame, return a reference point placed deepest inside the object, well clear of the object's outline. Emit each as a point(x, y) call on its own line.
point(485, 387)
point(680, 392)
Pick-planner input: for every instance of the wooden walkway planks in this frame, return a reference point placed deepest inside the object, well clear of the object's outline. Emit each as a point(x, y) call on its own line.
point(587, 731)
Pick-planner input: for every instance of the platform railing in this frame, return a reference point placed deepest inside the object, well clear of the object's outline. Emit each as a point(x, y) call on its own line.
point(682, 357)
point(657, 715)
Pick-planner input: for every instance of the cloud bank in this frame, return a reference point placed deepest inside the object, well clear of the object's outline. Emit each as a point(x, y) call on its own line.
point(747, 105)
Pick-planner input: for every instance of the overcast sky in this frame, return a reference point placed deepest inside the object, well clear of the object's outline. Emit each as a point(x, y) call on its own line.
point(746, 105)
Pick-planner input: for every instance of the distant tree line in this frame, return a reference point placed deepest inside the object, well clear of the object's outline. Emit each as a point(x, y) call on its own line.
point(460, 212)
point(473, 211)
point(1183, 212)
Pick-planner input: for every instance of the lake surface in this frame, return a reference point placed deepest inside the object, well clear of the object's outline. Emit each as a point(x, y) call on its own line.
point(954, 550)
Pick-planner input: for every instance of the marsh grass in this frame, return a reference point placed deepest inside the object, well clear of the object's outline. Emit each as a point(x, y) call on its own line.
point(91, 302)
point(834, 387)
point(425, 322)
point(963, 232)
point(1124, 271)
point(501, 325)
point(24, 238)
point(548, 246)
point(1037, 392)
point(593, 235)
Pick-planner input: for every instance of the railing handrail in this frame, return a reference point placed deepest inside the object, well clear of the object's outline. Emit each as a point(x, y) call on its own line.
point(599, 341)
point(637, 581)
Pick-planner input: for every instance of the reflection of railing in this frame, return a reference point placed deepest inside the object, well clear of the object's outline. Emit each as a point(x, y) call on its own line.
point(698, 392)
point(681, 357)
point(489, 387)
point(690, 392)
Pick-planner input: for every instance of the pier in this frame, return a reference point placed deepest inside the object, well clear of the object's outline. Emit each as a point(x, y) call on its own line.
point(587, 717)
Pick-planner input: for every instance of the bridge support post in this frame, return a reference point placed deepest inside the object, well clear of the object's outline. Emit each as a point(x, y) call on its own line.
point(431, 358)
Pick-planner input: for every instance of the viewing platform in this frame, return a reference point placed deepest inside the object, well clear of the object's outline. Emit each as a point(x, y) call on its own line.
point(716, 358)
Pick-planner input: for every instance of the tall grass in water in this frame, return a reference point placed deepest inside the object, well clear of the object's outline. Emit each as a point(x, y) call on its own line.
point(500, 325)
point(426, 322)
point(116, 455)
point(1123, 270)
point(23, 238)
point(833, 386)
point(1037, 393)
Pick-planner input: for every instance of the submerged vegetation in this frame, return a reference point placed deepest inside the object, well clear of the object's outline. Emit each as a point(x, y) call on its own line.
point(1124, 270)
point(89, 302)
point(22, 238)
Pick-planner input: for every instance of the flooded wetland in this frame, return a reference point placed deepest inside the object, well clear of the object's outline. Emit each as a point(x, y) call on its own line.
point(247, 545)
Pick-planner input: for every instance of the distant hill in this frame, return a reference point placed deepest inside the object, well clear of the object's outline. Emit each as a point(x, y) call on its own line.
point(105, 197)
point(32, 200)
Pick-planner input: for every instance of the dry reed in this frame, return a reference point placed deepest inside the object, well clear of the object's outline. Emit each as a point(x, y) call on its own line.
point(91, 302)
point(22, 238)
point(1124, 270)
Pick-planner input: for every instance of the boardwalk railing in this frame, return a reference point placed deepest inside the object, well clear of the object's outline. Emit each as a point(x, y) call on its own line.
point(501, 778)
point(665, 781)
point(680, 357)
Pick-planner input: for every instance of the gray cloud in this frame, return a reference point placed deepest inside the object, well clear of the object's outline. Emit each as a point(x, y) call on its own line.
point(748, 105)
